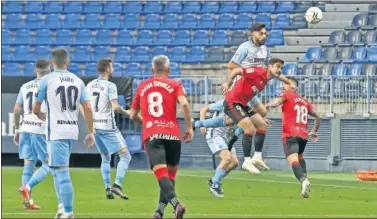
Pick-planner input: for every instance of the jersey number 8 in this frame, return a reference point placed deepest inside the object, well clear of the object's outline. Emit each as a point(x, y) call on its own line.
point(155, 104)
point(301, 114)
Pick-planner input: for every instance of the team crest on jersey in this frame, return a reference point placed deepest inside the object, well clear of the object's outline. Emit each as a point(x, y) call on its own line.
point(250, 70)
point(236, 56)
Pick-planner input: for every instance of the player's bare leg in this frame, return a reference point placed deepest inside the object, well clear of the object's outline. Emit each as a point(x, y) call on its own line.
point(221, 171)
point(260, 135)
point(122, 167)
point(300, 175)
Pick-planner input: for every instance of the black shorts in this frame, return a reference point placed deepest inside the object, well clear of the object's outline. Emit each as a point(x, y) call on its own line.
point(294, 145)
point(237, 111)
point(162, 151)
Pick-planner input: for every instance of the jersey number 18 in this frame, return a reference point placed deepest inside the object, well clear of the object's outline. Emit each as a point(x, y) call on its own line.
point(301, 114)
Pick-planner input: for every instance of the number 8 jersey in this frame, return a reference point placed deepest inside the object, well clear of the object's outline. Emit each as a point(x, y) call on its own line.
point(157, 98)
point(63, 92)
point(295, 110)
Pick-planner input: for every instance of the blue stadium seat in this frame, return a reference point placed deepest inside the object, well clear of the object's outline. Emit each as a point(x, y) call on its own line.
point(225, 21)
point(133, 7)
point(210, 7)
point(73, 7)
point(145, 37)
point(92, 21)
point(298, 22)
point(372, 55)
point(6, 54)
point(339, 70)
point(112, 21)
point(159, 50)
point(174, 69)
point(303, 6)
point(148, 70)
point(131, 21)
point(135, 84)
point(370, 70)
point(141, 54)
point(191, 7)
point(93, 7)
point(104, 37)
point(325, 70)
point(238, 37)
point(124, 37)
point(170, 21)
point(101, 52)
point(41, 52)
point(12, 7)
point(196, 54)
point(22, 53)
point(12, 21)
point(75, 68)
point(201, 87)
point(309, 88)
point(122, 101)
point(152, 7)
point(152, 21)
point(33, 7)
point(215, 54)
point(53, 21)
point(228, 7)
point(23, 36)
point(178, 54)
point(308, 69)
point(163, 37)
point(266, 7)
point(182, 37)
point(290, 69)
point(345, 54)
point(81, 54)
point(329, 54)
point(370, 38)
point(6, 37)
point(72, 21)
point(284, 7)
point(359, 55)
point(265, 19)
point(122, 54)
point(219, 37)
point(173, 7)
point(311, 54)
point(91, 69)
point(33, 21)
point(134, 144)
point(112, 7)
point(358, 21)
point(63, 37)
point(352, 38)
point(42, 37)
point(133, 69)
point(206, 21)
point(188, 21)
point(118, 70)
point(372, 23)
point(10, 69)
point(248, 7)
point(275, 38)
point(83, 37)
point(355, 70)
point(336, 37)
point(29, 69)
point(53, 7)
point(282, 21)
point(243, 21)
point(229, 55)
point(188, 85)
point(201, 37)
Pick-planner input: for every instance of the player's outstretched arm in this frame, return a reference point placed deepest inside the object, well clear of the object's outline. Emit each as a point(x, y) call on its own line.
point(287, 81)
point(274, 103)
point(186, 111)
point(232, 74)
point(313, 133)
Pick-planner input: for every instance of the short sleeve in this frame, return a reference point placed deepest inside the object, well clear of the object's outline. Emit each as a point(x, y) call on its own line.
point(268, 57)
point(20, 100)
point(180, 91)
point(113, 92)
point(136, 101)
point(84, 94)
point(240, 54)
point(42, 90)
point(216, 106)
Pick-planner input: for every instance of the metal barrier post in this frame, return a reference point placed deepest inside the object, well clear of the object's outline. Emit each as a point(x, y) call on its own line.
point(331, 95)
point(206, 93)
point(368, 93)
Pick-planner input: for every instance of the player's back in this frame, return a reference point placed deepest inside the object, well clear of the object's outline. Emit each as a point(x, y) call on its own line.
point(102, 92)
point(295, 110)
point(63, 92)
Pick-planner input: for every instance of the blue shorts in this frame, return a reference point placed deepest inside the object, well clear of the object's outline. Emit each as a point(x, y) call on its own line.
point(109, 141)
point(25, 150)
point(38, 145)
point(59, 152)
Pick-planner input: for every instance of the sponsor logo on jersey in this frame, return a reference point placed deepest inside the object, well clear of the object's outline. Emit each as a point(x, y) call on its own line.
point(163, 136)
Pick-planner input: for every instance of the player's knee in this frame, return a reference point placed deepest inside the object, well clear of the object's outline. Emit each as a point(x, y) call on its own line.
point(292, 158)
point(300, 157)
point(106, 158)
point(261, 125)
point(125, 156)
point(226, 158)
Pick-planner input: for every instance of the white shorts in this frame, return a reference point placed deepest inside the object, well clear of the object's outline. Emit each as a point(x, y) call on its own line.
point(217, 144)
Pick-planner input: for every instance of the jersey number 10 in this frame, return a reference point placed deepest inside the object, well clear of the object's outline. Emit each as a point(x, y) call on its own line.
point(301, 114)
point(72, 93)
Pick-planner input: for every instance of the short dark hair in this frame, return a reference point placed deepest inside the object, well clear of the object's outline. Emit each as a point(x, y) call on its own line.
point(275, 60)
point(59, 57)
point(42, 64)
point(292, 79)
point(257, 27)
point(103, 64)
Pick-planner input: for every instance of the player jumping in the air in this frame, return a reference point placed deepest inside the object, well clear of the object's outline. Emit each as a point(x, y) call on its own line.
point(63, 92)
point(295, 111)
point(252, 82)
point(157, 98)
point(217, 142)
point(108, 138)
point(31, 138)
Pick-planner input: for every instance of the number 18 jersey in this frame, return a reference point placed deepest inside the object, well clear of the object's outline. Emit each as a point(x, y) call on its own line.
point(295, 110)
point(156, 98)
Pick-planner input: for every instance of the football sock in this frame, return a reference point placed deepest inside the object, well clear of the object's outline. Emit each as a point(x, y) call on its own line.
point(297, 170)
point(56, 184)
point(38, 176)
point(239, 132)
point(247, 141)
point(211, 123)
point(303, 164)
point(122, 167)
point(166, 186)
point(260, 135)
point(27, 172)
point(65, 189)
point(105, 169)
point(219, 175)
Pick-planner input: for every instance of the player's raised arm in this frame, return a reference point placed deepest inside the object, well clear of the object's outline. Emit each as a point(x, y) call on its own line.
point(232, 74)
point(275, 102)
point(287, 81)
point(17, 118)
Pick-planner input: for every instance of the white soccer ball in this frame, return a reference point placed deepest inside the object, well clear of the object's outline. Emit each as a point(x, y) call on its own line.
point(313, 15)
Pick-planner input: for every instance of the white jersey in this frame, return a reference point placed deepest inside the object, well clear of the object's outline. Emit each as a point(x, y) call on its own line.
point(30, 123)
point(63, 92)
point(103, 92)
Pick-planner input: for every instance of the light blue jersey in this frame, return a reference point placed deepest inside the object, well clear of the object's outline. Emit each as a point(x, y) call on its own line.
point(250, 55)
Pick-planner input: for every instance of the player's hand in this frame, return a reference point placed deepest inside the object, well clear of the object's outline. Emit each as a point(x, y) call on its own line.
point(16, 138)
point(203, 131)
point(89, 140)
point(224, 88)
point(313, 136)
point(269, 122)
point(189, 134)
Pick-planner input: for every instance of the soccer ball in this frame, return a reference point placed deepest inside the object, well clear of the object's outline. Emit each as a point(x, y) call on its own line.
point(313, 15)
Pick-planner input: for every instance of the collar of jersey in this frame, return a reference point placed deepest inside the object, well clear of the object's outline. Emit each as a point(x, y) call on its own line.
point(60, 71)
point(102, 78)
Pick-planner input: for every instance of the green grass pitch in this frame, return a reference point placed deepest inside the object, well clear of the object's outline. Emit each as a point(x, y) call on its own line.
point(273, 194)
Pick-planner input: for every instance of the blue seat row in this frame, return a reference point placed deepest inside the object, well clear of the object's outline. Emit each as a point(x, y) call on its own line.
point(152, 21)
point(126, 37)
point(89, 69)
point(155, 7)
point(364, 21)
point(328, 69)
point(352, 38)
